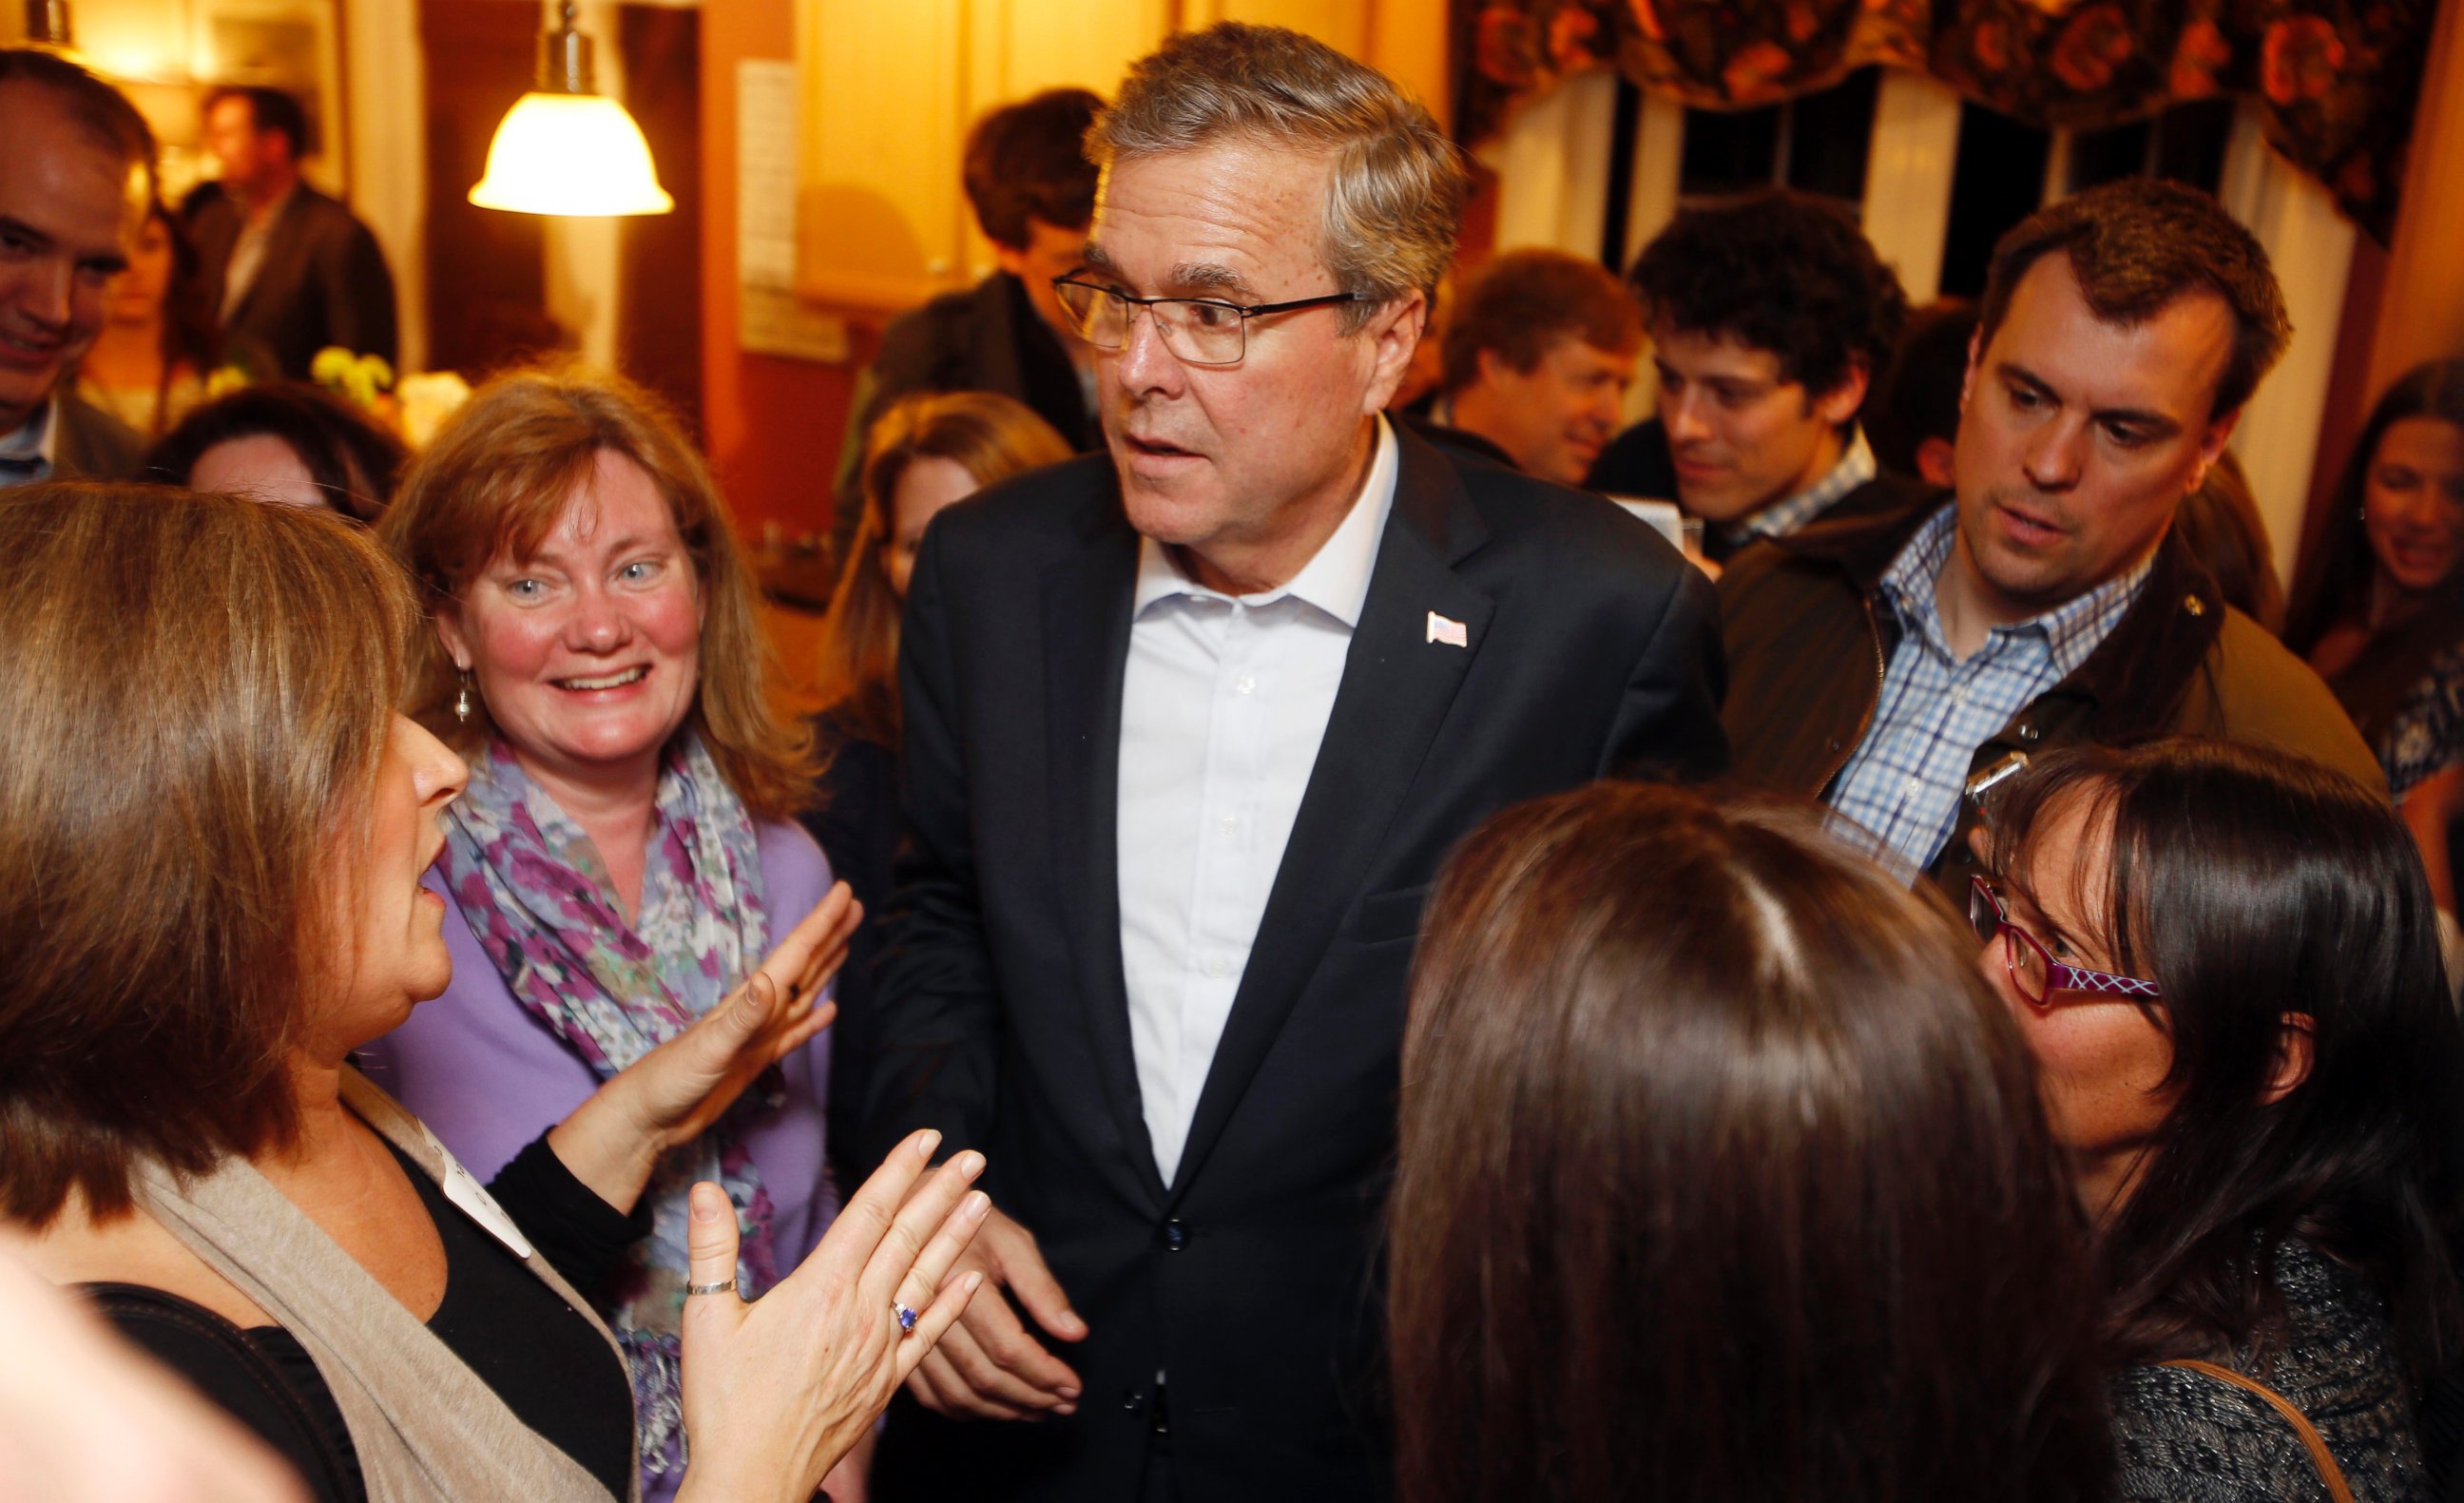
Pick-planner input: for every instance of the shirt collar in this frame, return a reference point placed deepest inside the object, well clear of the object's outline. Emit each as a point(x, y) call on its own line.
point(1335, 579)
point(1854, 467)
point(2072, 629)
point(36, 438)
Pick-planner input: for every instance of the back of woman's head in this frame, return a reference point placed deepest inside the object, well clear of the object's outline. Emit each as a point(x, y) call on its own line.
point(1722, 1175)
point(2254, 887)
point(495, 481)
point(353, 463)
point(2336, 572)
point(990, 436)
point(198, 691)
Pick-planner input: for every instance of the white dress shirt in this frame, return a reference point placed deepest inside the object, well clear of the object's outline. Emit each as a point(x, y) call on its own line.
point(1223, 706)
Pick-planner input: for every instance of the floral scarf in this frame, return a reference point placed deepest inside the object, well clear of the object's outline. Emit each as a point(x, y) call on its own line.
point(539, 899)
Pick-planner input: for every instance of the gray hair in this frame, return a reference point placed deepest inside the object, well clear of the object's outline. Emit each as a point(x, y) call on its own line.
point(1396, 184)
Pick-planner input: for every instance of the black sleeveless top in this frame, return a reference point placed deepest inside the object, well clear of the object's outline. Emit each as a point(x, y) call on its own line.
point(536, 1351)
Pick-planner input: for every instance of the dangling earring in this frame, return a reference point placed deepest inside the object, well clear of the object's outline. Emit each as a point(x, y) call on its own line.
point(462, 701)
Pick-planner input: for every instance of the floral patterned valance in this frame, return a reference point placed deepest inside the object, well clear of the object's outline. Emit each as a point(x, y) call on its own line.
point(2337, 78)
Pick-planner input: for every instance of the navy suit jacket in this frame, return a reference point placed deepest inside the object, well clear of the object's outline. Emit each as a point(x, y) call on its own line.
point(1592, 649)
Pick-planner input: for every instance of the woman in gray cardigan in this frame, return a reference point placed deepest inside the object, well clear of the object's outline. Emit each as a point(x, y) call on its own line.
point(2227, 964)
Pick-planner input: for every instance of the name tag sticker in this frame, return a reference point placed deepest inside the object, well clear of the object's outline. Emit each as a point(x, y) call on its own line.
point(480, 1207)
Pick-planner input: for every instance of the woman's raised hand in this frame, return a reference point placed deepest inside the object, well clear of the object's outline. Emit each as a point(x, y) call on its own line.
point(670, 1096)
point(776, 1391)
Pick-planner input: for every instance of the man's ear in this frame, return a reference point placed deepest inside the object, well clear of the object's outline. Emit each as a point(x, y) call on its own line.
point(1967, 377)
point(1937, 462)
point(449, 631)
point(1841, 403)
point(1395, 332)
point(2295, 1047)
point(1010, 259)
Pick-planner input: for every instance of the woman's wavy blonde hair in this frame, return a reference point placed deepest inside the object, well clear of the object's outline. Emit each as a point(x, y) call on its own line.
point(495, 482)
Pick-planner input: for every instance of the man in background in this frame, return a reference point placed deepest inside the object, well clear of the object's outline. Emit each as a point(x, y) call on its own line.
point(287, 266)
point(1897, 665)
point(1033, 191)
point(1769, 317)
point(1537, 360)
point(75, 177)
point(1912, 417)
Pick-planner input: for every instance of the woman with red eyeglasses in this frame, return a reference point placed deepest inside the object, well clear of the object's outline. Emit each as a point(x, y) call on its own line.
point(2226, 962)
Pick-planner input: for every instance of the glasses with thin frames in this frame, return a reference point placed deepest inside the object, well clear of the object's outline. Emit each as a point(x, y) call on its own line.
point(2032, 966)
point(1199, 331)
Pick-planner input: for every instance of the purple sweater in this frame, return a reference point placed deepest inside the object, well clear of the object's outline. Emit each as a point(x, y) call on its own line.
point(488, 1077)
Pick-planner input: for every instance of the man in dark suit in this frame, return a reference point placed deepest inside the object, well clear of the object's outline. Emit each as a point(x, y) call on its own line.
point(1189, 728)
point(293, 269)
point(75, 180)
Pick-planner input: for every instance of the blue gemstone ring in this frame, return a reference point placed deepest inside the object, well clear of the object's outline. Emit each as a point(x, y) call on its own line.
point(906, 1317)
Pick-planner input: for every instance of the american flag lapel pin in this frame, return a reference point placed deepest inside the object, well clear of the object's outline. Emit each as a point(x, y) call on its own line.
point(1447, 630)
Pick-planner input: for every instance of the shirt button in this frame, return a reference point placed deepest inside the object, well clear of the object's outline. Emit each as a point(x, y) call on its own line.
point(1913, 786)
point(1231, 824)
point(1246, 683)
point(1218, 966)
point(1959, 694)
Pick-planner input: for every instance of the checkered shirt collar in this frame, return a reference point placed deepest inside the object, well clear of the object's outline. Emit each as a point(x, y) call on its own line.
point(1855, 468)
point(2071, 629)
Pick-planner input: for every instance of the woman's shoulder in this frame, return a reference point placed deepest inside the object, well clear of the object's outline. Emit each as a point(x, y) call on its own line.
point(260, 1375)
point(794, 872)
point(2183, 1434)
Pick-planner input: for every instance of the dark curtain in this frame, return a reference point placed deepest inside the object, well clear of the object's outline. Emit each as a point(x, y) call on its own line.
point(2336, 80)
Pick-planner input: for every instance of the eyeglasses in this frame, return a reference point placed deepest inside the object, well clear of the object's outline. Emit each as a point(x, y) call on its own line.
point(1201, 331)
point(2038, 974)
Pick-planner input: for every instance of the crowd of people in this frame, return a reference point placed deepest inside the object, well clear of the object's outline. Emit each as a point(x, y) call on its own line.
point(1305, 952)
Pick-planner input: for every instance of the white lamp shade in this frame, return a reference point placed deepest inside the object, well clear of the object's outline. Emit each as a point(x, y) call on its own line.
point(570, 154)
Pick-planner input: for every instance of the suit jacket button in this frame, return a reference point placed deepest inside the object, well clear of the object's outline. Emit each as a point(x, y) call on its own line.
point(1176, 1235)
point(1133, 1401)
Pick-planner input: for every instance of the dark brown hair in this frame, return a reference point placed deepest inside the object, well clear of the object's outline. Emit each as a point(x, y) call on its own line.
point(269, 110)
point(496, 479)
point(1028, 161)
point(2136, 246)
point(1918, 398)
point(990, 436)
point(198, 692)
point(1523, 301)
point(1722, 1175)
point(1780, 271)
point(353, 463)
point(2251, 884)
point(2334, 579)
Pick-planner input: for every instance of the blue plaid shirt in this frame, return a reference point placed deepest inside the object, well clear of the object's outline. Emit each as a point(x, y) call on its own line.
point(1906, 779)
point(1779, 518)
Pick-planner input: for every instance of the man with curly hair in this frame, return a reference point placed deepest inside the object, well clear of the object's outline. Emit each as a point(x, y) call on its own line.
point(1769, 317)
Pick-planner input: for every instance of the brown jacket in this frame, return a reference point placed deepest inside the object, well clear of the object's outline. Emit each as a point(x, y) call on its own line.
point(1809, 638)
